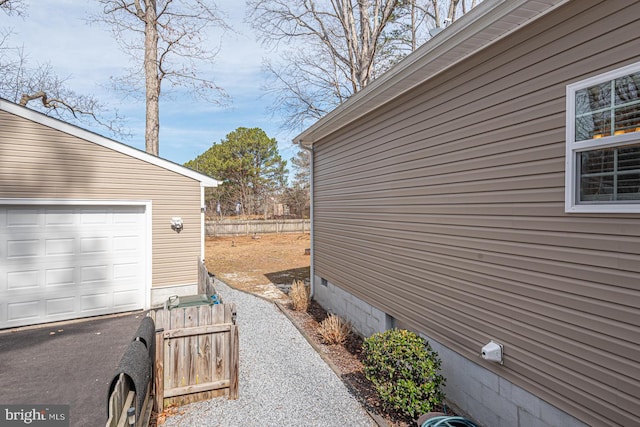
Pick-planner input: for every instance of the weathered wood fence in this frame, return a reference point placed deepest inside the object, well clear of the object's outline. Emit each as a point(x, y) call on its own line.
point(121, 399)
point(240, 228)
point(205, 282)
point(197, 354)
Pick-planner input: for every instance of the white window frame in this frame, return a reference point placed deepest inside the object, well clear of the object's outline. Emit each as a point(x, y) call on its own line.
point(574, 147)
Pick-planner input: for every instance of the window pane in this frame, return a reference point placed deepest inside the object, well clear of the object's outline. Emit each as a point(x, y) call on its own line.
point(596, 105)
point(629, 158)
point(629, 187)
point(596, 161)
point(627, 120)
point(592, 126)
point(596, 188)
point(611, 174)
point(593, 98)
point(627, 89)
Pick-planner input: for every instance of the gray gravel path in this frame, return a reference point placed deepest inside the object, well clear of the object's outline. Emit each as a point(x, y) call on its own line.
point(283, 381)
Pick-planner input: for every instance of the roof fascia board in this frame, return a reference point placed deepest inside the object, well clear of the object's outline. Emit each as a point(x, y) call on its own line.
point(68, 128)
point(394, 82)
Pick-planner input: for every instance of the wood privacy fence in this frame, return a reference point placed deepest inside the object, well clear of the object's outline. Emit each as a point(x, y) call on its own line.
point(245, 228)
point(205, 283)
point(121, 399)
point(196, 354)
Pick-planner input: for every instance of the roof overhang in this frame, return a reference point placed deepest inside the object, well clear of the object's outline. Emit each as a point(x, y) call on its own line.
point(51, 122)
point(490, 21)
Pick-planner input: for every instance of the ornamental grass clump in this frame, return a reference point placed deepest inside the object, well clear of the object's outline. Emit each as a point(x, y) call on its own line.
point(299, 295)
point(404, 370)
point(334, 330)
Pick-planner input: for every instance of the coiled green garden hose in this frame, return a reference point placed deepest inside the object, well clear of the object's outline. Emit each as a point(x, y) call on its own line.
point(447, 421)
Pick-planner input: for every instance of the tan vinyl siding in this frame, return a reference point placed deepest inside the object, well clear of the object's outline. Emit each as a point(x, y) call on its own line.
point(445, 208)
point(44, 163)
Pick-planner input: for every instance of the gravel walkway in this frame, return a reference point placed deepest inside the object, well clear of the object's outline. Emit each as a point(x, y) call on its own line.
point(283, 381)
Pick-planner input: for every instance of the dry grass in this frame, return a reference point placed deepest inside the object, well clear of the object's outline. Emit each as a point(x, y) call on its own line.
point(334, 330)
point(257, 266)
point(300, 296)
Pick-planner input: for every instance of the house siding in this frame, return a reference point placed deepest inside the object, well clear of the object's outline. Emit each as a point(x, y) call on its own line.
point(445, 209)
point(43, 163)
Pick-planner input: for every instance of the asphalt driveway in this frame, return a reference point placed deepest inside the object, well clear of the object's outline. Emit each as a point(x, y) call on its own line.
point(66, 364)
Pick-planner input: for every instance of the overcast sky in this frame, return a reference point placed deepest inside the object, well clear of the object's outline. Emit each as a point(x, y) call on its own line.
point(56, 31)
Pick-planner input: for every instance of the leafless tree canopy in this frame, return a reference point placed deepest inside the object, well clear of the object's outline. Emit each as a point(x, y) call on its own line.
point(26, 84)
point(166, 40)
point(12, 7)
point(339, 46)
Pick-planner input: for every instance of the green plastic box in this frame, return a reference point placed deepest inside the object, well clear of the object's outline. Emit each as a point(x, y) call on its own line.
point(176, 301)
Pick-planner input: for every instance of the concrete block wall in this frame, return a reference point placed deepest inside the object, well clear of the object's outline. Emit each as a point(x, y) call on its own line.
point(477, 392)
point(490, 399)
point(364, 318)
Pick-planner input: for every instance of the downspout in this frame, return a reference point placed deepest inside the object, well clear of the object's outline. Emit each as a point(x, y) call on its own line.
point(311, 229)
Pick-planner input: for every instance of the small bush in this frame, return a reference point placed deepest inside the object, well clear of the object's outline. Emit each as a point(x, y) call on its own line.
point(299, 295)
point(404, 370)
point(333, 330)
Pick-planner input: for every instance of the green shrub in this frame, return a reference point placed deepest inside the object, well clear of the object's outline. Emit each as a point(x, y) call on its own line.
point(404, 370)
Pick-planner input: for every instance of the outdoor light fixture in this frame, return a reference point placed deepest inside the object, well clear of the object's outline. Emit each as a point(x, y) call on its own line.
point(176, 223)
point(131, 416)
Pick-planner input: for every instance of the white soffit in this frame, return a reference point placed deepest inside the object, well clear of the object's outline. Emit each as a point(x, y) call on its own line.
point(68, 128)
point(484, 25)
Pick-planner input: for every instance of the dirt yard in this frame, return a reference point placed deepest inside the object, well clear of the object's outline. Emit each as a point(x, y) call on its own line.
point(265, 265)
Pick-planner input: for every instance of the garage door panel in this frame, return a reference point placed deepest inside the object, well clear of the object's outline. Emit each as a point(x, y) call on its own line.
point(95, 245)
point(24, 312)
point(62, 276)
point(24, 279)
point(126, 271)
point(93, 273)
point(62, 263)
point(60, 306)
point(21, 218)
point(60, 246)
point(21, 248)
point(126, 244)
point(125, 299)
point(59, 217)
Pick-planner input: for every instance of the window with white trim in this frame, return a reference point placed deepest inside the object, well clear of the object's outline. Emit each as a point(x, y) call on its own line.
point(603, 143)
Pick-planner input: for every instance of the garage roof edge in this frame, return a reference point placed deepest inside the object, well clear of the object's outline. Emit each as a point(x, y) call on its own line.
point(103, 141)
point(484, 25)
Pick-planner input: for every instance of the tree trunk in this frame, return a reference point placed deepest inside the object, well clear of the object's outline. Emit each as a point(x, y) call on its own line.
point(152, 79)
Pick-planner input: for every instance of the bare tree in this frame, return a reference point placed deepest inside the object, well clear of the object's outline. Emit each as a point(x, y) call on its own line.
point(169, 36)
point(12, 7)
point(340, 46)
point(337, 43)
point(23, 83)
point(428, 15)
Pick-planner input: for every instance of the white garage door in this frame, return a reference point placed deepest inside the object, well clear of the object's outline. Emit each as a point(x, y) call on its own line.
point(65, 262)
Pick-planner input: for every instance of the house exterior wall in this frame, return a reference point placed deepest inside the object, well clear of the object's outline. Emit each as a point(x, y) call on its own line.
point(43, 163)
point(445, 209)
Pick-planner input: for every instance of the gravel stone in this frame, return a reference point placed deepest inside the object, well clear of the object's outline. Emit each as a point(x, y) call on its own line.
point(283, 381)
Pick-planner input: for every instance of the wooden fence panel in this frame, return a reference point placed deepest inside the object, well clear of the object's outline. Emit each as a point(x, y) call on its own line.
point(120, 400)
point(199, 352)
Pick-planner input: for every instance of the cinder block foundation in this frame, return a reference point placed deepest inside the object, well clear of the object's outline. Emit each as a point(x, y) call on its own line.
point(479, 393)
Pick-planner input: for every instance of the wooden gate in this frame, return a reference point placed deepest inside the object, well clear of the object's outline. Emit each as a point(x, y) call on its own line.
point(196, 354)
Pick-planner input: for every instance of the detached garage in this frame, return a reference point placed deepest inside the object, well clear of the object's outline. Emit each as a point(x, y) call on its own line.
point(86, 223)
